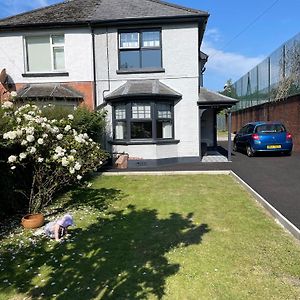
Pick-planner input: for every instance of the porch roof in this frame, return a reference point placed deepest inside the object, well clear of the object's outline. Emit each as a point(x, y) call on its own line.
point(212, 99)
point(48, 91)
point(143, 89)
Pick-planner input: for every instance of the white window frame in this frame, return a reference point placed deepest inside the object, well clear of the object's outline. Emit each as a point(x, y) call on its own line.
point(51, 45)
point(138, 42)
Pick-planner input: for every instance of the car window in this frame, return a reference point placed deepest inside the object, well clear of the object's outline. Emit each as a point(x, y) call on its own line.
point(250, 129)
point(243, 130)
point(270, 128)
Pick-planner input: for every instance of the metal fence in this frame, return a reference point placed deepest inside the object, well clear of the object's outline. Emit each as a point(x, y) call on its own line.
point(276, 77)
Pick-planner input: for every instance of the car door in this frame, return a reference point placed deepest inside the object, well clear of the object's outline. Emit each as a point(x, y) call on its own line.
point(239, 138)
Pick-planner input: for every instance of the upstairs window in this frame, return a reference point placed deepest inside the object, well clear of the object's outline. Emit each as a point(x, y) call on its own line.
point(140, 49)
point(45, 53)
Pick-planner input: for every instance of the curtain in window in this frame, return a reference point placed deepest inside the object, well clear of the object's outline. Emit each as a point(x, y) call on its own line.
point(38, 54)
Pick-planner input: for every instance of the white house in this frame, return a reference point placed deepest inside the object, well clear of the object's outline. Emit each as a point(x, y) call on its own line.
point(139, 59)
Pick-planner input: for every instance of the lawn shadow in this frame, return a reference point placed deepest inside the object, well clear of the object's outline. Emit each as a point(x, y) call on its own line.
point(121, 256)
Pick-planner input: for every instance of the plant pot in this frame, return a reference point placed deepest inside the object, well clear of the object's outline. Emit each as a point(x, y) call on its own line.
point(33, 221)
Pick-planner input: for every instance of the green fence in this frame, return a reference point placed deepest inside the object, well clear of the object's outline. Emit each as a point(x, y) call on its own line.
point(276, 77)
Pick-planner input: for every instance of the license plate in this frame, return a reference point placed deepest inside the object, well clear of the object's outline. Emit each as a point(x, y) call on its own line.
point(273, 146)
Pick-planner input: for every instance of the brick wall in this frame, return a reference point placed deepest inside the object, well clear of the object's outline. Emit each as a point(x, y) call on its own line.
point(286, 111)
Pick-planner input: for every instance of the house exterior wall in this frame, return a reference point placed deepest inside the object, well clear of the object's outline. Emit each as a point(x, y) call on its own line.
point(180, 61)
point(78, 60)
point(286, 111)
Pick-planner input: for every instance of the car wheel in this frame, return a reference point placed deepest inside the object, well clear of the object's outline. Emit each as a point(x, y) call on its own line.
point(288, 153)
point(249, 150)
point(234, 147)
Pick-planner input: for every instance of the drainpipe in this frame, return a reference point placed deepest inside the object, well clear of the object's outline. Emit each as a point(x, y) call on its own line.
point(108, 68)
point(94, 66)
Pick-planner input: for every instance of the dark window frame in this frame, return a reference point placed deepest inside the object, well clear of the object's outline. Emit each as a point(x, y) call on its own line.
point(154, 119)
point(140, 49)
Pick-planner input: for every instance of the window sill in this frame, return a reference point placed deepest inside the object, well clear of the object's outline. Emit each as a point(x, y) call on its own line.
point(49, 74)
point(145, 142)
point(141, 71)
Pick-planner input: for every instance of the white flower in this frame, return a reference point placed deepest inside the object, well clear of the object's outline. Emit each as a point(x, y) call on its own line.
point(10, 135)
point(30, 138)
point(59, 136)
point(45, 135)
point(72, 170)
point(70, 117)
point(29, 130)
point(77, 166)
point(23, 143)
point(73, 151)
point(40, 141)
point(55, 156)
point(67, 128)
point(19, 120)
point(13, 94)
point(64, 162)
point(12, 159)
point(71, 158)
point(40, 159)
point(85, 136)
point(19, 132)
point(79, 177)
point(7, 104)
point(22, 155)
point(32, 150)
point(13, 167)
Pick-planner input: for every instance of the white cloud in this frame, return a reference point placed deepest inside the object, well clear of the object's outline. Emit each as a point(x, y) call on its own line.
point(230, 64)
point(223, 65)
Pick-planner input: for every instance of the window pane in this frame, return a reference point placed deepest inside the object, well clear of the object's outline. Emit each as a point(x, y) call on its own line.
point(58, 39)
point(151, 58)
point(120, 131)
point(38, 54)
point(151, 39)
point(120, 112)
point(129, 40)
point(129, 59)
point(141, 111)
point(164, 130)
point(59, 58)
point(141, 130)
point(164, 111)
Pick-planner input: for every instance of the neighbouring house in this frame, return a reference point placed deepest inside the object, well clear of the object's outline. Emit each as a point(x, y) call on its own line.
point(138, 59)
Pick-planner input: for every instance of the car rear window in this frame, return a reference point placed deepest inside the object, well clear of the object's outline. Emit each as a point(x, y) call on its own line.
point(270, 128)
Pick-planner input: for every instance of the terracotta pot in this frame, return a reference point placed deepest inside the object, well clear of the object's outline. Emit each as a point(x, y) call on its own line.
point(33, 221)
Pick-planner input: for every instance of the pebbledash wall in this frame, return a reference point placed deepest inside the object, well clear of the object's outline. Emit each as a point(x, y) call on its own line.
point(78, 61)
point(286, 111)
point(180, 61)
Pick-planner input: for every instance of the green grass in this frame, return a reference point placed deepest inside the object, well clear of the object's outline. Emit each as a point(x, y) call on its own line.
point(156, 237)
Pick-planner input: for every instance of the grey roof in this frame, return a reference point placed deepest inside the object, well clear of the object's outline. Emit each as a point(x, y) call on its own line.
point(48, 91)
point(209, 98)
point(143, 88)
point(84, 11)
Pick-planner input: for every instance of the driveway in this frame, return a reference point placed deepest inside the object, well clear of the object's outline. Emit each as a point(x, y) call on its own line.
point(276, 178)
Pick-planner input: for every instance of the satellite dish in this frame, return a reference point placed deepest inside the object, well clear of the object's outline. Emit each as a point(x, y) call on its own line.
point(3, 76)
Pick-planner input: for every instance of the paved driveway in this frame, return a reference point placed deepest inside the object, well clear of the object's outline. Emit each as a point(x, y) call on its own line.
point(276, 178)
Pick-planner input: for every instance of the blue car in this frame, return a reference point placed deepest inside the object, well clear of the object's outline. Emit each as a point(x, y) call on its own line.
point(263, 137)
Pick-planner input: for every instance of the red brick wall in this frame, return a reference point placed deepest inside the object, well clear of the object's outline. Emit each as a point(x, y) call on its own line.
point(286, 111)
point(85, 88)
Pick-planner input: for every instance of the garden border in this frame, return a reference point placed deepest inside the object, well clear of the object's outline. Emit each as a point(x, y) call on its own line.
point(278, 217)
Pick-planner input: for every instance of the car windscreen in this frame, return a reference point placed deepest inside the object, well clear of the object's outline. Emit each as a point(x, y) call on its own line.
point(270, 128)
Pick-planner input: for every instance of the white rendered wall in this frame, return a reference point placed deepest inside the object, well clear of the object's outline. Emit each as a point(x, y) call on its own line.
point(78, 55)
point(180, 61)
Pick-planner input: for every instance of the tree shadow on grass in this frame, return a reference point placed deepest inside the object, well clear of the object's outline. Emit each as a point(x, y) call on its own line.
point(121, 256)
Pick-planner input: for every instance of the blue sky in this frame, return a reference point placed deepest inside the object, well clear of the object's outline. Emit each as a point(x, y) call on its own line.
point(238, 36)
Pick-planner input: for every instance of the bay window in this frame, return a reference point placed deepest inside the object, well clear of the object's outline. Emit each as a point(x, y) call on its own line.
point(140, 49)
point(143, 121)
point(45, 53)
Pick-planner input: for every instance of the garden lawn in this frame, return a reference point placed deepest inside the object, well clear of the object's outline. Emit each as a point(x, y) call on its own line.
point(155, 237)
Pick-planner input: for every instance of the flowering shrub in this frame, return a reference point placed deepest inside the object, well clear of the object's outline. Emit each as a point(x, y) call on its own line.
point(58, 154)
